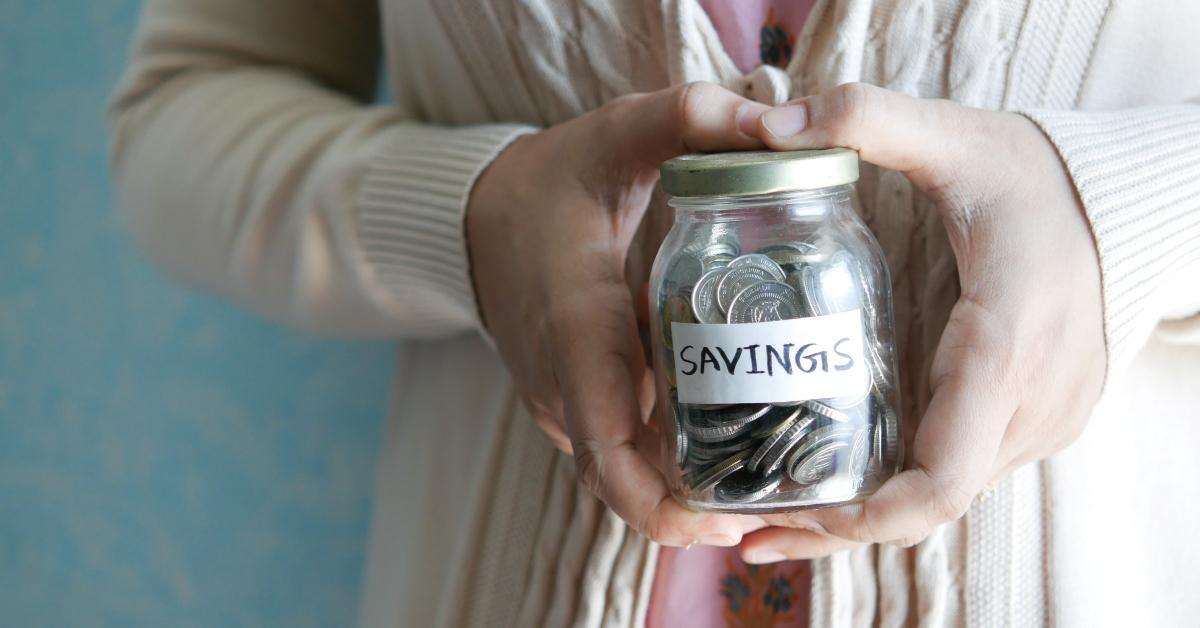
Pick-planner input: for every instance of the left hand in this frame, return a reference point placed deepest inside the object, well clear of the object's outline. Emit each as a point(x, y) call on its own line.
point(1021, 362)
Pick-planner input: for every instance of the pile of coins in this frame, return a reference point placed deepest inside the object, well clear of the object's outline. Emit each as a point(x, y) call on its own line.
point(790, 452)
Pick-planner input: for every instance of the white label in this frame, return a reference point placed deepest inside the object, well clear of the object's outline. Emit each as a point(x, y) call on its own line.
point(792, 360)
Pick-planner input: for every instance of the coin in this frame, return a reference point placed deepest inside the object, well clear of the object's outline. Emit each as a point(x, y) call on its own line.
point(740, 414)
point(745, 487)
point(721, 245)
point(723, 424)
point(704, 297)
point(812, 465)
point(715, 261)
point(765, 301)
point(736, 280)
point(785, 443)
point(807, 281)
point(860, 453)
point(826, 411)
point(759, 261)
point(709, 477)
point(707, 453)
point(681, 444)
point(886, 418)
point(877, 365)
point(676, 309)
point(817, 439)
point(715, 433)
point(775, 435)
point(792, 255)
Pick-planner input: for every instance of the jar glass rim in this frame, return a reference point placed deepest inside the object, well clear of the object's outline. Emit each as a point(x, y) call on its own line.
point(791, 197)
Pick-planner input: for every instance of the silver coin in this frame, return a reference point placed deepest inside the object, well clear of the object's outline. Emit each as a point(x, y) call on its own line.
point(709, 477)
point(807, 281)
point(812, 465)
point(775, 434)
point(879, 442)
point(677, 308)
point(722, 245)
point(684, 270)
point(860, 454)
point(888, 420)
point(786, 442)
point(704, 297)
point(725, 424)
point(771, 421)
point(745, 487)
point(826, 411)
point(681, 444)
point(736, 280)
point(879, 367)
point(759, 261)
point(765, 301)
point(792, 255)
point(736, 414)
point(719, 260)
point(815, 440)
point(715, 433)
point(704, 454)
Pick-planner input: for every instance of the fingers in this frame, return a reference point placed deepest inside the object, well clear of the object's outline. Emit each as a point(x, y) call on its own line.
point(697, 117)
point(599, 365)
point(911, 135)
point(771, 545)
point(956, 445)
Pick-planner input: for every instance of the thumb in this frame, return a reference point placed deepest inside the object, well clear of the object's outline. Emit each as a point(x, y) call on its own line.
point(917, 137)
point(693, 118)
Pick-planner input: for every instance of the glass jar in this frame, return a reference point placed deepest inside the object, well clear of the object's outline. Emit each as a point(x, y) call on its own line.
point(774, 347)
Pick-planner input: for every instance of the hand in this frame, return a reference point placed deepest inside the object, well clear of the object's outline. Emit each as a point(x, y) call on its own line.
point(549, 226)
point(1022, 359)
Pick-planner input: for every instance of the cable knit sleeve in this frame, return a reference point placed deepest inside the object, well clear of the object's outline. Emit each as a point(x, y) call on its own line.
point(1138, 174)
point(250, 163)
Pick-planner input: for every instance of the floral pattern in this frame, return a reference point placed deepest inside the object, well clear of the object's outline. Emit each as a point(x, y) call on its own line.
point(775, 42)
point(762, 596)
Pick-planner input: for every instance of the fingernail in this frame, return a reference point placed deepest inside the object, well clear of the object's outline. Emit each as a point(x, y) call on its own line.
point(719, 540)
point(786, 120)
point(747, 117)
point(764, 556)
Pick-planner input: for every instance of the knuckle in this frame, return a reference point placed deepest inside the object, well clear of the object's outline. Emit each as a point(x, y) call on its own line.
point(690, 100)
point(852, 104)
point(657, 528)
point(950, 502)
point(667, 527)
point(589, 464)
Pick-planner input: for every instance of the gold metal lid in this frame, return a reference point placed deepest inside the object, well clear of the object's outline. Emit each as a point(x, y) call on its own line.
point(758, 172)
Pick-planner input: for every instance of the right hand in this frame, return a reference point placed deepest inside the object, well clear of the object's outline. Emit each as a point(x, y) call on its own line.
point(549, 226)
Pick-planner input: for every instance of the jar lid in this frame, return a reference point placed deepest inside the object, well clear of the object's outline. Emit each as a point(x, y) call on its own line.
point(758, 172)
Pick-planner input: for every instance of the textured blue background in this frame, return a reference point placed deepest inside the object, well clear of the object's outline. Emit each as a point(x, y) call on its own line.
point(165, 460)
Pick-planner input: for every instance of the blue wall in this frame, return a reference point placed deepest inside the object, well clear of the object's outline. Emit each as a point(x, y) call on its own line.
point(165, 460)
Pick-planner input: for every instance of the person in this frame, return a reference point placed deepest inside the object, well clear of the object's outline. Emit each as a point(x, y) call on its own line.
point(1034, 181)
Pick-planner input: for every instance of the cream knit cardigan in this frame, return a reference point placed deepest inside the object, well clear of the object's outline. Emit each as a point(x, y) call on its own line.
point(251, 165)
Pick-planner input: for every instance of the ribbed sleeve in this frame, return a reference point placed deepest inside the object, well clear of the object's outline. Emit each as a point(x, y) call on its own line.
point(1138, 175)
point(411, 209)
